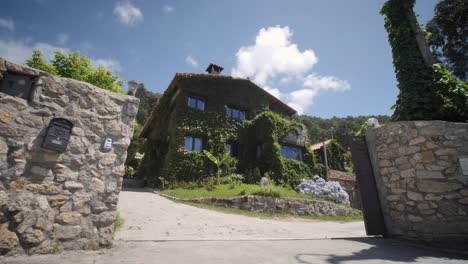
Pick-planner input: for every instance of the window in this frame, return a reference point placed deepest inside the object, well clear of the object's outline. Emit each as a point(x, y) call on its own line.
point(235, 113)
point(196, 103)
point(233, 149)
point(193, 144)
point(16, 85)
point(291, 152)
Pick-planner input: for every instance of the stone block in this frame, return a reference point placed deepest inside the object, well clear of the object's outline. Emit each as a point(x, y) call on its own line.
point(438, 186)
point(426, 174)
point(415, 196)
point(33, 237)
point(425, 156)
point(417, 140)
point(45, 188)
point(69, 218)
point(8, 239)
point(72, 185)
point(433, 197)
point(5, 116)
point(66, 232)
point(97, 185)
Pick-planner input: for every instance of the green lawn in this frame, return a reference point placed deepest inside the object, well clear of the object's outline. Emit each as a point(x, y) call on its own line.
point(264, 215)
point(228, 191)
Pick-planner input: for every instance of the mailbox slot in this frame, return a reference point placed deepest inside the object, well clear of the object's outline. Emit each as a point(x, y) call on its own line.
point(58, 134)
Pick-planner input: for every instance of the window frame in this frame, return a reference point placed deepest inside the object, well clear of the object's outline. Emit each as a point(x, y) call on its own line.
point(230, 110)
point(301, 152)
point(197, 102)
point(193, 143)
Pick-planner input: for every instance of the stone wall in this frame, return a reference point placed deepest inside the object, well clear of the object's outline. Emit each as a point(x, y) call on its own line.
point(422, 185)
point(50, 201)
point(281, 205)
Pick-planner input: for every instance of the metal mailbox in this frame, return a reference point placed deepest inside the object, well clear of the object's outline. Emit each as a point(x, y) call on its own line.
point(58, 134)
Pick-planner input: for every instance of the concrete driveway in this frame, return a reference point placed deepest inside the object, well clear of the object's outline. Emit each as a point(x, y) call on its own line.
point(150, 217)
point(158, 230)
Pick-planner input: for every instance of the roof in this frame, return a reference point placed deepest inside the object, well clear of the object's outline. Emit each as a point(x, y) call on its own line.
point(319, 145)
point(275, 101)
point(341, 175)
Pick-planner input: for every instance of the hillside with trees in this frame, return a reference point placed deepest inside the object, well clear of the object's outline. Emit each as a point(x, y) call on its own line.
point(338, 128)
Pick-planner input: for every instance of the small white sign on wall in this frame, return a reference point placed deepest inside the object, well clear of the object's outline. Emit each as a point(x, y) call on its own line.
point(464, 165)
point(108, 143)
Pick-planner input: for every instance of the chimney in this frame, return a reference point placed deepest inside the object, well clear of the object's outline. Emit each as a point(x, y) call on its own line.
point(214, 69)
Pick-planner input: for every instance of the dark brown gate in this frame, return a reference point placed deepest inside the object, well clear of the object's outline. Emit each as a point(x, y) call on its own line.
point(373, 217)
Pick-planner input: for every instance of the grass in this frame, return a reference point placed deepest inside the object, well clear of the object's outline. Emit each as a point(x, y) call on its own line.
point(229, 191)
point(265, 215)
point(118, 223)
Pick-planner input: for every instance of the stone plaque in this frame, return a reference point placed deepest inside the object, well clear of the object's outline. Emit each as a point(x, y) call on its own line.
point(464, 166)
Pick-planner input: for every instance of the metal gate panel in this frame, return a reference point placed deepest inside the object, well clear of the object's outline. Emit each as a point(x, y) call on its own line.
point(373, 217)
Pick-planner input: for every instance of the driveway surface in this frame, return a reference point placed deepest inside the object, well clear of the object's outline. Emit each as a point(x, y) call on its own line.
point(149, 216)
point(157, 230)
point(320, 251)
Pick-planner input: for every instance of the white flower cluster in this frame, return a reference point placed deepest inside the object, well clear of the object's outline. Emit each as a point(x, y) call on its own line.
point(319, 188)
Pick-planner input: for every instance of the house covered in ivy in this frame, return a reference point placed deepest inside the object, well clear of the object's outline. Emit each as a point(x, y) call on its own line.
point(222, 114)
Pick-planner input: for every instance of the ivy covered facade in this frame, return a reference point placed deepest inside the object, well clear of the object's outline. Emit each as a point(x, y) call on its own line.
point(220, 113)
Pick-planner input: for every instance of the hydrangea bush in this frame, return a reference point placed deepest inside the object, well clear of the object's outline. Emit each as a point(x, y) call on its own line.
point(319, 188)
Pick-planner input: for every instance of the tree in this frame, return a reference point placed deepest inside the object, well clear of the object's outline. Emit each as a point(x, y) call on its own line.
point(78, 67)
point(37, 61)
point(148, 101)
point(448, 38)
point(220, 162)
point(427, 91)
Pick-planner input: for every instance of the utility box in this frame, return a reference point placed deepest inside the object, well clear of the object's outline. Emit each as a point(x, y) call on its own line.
point(58, 134)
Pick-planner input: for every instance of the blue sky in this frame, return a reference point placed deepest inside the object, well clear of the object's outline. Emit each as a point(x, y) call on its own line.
point(325, 58)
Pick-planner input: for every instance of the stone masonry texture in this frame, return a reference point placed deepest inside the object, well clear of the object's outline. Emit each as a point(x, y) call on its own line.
point(51, 201)
point(422, 187)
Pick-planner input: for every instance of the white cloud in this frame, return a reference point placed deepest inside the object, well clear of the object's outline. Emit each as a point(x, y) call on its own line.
point(168, 9)
point(18, 51)
point(62, 39)
point(191, 61)
point(127, 13)
point(110, 64)
point(276, 64)
point(317, 82)
point(7, 24)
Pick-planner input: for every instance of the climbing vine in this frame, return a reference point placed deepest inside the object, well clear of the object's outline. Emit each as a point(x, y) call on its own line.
point(261, 149)
point(171, 162)
point(427, 91)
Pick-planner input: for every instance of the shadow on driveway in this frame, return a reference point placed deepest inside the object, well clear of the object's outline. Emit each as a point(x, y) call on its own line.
point(382, 250)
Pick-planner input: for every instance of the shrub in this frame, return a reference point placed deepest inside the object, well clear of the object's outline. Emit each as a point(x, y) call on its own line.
point(267, 192)
point(319, 188)
point(209, 183)
point(118, 223)
point(253, 175)
point(232, 179)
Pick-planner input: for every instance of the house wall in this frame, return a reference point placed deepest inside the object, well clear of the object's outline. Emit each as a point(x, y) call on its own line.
point(51, 201)
point(421, 171)
point(219, 92)
point(174, 120)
